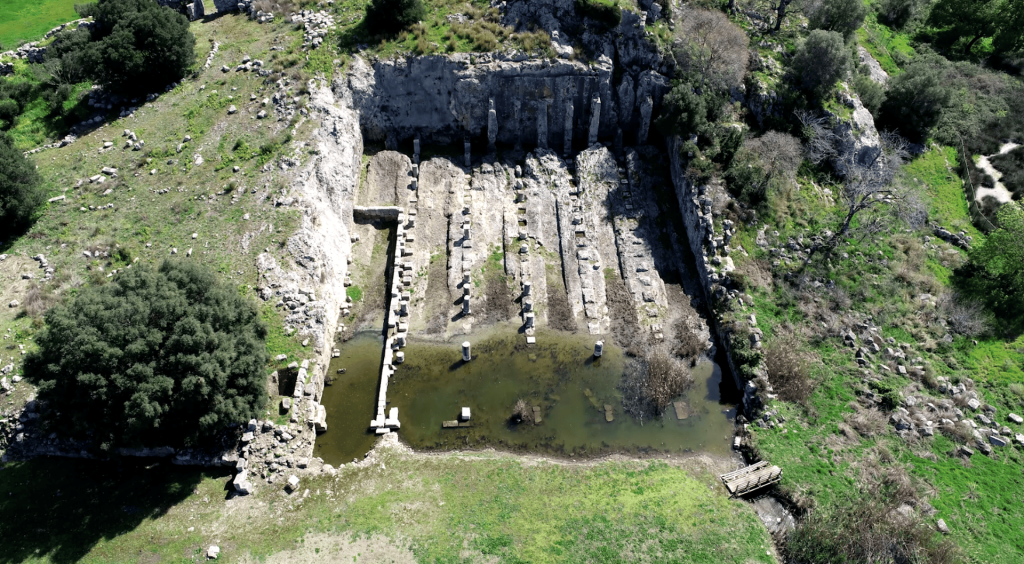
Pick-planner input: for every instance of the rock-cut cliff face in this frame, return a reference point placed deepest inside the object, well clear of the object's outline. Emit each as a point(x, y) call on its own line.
point(442, 99)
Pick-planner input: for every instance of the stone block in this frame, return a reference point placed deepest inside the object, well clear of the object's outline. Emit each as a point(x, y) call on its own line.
point(293, 483)
point(1013, 417)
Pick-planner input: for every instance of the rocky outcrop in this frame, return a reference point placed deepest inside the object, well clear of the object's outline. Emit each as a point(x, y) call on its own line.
point(858, 139)
point(874, 68)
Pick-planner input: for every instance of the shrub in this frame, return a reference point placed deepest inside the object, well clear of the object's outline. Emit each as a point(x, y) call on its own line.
point(842, 16)
point(388, 17)
point(788, 370)
point(916, 97)
point(20, 188)
point(965, 317)
point(650, 383)
point(166, 356)
point(521, 412)
point(866, 528)
point(9, 109)
point(140, 46)
point(763, 164)
point(871, 93)
point(821, 60)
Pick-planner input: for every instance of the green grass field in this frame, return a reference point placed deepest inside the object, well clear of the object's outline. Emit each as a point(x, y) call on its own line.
point(451, 508)
point(28, 20)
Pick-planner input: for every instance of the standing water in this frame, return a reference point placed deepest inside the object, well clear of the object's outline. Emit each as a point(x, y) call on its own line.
point(566, 390)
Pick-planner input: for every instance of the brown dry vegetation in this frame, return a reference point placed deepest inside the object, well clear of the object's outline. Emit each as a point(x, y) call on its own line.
point(788, 369)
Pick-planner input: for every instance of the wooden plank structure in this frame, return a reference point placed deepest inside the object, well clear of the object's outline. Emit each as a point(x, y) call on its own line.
point(753, 477)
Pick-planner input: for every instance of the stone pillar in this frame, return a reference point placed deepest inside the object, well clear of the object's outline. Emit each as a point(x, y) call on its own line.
point(465, 145)
point(595, 120)
point(465, 351)
point(399, 357)
point(529, 320)
point(527, 306)
point(515, 125)
point(598, 349)
point(627, 100)
point(465, 306)
point(492, 128)
point(618, 144)
point(542, 124)
point(416, 146)
point(526, 287)
point(568, 126)
point(646, 108)
point(465, 231)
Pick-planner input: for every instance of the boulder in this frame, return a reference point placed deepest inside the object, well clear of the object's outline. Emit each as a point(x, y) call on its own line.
point(974, 404)
point(213, 552)
point(1013, 417)
point(241, 483)
point(998, 441)
point(940, 524)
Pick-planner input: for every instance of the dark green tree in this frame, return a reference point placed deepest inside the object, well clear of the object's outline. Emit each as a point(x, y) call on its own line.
point(166, 356)
point(1002, 20)
point(842, 16)
point(388, 17)
point(138, 46)
point(20, 188)
point(1001, 256)
point(821, 60)
point(916, 97)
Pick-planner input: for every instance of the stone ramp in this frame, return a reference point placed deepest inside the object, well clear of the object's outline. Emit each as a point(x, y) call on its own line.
point(587, 226)
point(430, 199)
point(636, 231)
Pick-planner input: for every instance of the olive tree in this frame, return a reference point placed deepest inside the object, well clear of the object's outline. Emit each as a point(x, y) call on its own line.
point(842, 16)
point(167, 356)
point(20, 187)
point(821, 60)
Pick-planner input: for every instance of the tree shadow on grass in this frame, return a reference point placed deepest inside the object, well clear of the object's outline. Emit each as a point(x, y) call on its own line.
point(61, 508)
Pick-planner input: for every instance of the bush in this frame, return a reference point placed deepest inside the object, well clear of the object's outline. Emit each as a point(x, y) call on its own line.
point(650, 383)
point(788, 371)
point(821, 60)
point(156, 357)
point(764, 164)
point(871, 93)
point(388, 17)
point(842, 16)
point(915, 98)
point(139, 46)
point(867, 528)
point(20, 188)
point(1011, 165)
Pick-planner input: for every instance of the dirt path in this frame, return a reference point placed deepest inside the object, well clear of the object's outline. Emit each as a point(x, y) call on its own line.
point(999, 192)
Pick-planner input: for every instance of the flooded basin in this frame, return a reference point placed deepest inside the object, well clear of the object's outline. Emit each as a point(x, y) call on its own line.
point(350, 399)
point(571, 394)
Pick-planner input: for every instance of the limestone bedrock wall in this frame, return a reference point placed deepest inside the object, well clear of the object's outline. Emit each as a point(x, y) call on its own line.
point(696, 208)
point(442, 99)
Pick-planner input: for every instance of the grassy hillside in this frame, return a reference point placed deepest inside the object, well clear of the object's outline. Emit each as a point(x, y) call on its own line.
point(28, 20)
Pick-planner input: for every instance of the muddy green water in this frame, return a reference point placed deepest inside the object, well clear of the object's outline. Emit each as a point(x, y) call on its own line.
point(559, 375)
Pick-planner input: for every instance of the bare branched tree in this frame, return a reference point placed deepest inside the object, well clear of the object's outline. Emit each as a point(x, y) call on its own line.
point(649, 384)
point(872, 190)
point(711, 47)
